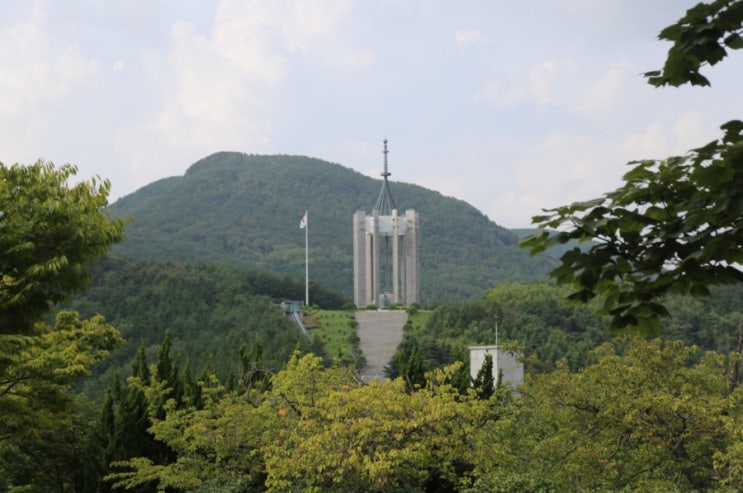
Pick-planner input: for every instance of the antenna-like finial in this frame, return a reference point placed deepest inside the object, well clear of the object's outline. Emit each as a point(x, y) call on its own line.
point(385, 173)
point(385, 203)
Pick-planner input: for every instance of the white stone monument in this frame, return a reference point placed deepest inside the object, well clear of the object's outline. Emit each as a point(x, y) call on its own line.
point(386, 252)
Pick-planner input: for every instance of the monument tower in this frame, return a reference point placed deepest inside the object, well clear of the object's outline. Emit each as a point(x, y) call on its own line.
point(386, 252)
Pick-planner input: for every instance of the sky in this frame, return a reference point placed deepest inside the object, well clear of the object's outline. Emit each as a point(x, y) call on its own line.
point(513, 106)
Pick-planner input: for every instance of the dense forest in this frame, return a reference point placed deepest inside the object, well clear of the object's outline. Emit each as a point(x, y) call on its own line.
point(196, 381)
point(201, 384)
point(209, 312)
point(211, 388)
point(243, 211)
point(551, 332)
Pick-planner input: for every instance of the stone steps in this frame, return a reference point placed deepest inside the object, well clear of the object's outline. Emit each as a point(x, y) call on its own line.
point(380, 332)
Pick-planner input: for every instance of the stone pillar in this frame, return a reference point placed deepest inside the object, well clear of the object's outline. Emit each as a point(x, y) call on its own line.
point(411, 254)
point(375, 264)
point(396, 298)
point(360, 249)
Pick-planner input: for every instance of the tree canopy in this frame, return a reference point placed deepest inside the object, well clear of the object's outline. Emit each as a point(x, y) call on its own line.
point(701, 37)
point(644, 416)
point(676, 225)
point(50, 232)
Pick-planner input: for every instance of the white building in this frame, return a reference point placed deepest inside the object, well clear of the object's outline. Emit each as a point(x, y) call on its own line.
point(505, 362)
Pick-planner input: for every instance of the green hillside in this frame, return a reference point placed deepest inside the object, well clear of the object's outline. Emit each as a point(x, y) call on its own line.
point(244, 210)
point(210, 312)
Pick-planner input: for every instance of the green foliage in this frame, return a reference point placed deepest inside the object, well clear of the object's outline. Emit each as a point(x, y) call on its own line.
point(336, 335)
point(243, 211)
point(36, 401)
point(484, 382)
point(701, 37)
point(408, 365)
point(50, 459)
point(645, 415)
point(674, 226)
point(254, 374)
point(209, 312)
point(417, 355)
point(546, 326)
point(50, 233)
point(552, 330)
point(712, 323)
point(316, 429)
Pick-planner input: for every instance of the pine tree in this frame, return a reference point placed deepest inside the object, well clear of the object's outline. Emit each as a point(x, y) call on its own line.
point(191, 389)
point(484, 382)
point(254, 373)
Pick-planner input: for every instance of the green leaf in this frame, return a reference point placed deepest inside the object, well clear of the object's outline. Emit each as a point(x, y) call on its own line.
point(649, 326)
point(734, 41)
point(583, 296)
point(670, 33)
point(563, 274)
point(699, 290)
point(732, 129)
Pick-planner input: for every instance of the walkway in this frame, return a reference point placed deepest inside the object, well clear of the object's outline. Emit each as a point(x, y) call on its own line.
point(380, 332)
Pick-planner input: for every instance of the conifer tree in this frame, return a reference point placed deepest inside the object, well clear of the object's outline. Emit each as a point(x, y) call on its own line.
point(254, 373)
point(484, 382)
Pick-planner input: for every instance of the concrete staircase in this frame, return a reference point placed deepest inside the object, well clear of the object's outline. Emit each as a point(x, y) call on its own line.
point(380, 332)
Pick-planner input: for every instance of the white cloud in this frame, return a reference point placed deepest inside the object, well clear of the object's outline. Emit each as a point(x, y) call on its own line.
point(654, 141)
point(219, 88)
point(35, 70)
point(558, 169)
point(691, 130)
point(37, 75)
point(564, 167)
point(351, 59)
point(552, 116)
point(244, 39)
point(550, 82)
point(603, 95)
point(499, 93)
point(465, 38)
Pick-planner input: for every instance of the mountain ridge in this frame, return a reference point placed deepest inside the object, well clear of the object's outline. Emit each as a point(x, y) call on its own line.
point(243, 210)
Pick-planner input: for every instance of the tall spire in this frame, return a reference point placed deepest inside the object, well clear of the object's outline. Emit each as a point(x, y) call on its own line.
point(385, 202)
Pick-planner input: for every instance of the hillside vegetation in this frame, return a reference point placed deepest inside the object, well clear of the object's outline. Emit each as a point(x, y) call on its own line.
point(209, 312)
point(243, 210)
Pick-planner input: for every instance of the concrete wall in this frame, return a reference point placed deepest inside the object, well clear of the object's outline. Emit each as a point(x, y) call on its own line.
point(507, 362)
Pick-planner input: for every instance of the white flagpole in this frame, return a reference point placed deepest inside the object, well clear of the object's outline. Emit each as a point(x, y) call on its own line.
point(306, 261)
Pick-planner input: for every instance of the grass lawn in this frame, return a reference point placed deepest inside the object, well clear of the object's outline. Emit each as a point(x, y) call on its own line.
point(418, 321)
point(336, 329)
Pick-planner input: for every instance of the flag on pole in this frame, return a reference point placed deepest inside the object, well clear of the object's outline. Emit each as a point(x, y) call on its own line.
point(303, 225)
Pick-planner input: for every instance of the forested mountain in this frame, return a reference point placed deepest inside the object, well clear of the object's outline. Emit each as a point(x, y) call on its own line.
point(244, 210)
point(209, 311)
point(552, 332)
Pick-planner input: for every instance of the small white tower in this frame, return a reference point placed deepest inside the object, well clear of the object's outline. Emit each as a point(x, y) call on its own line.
point(505, 362)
